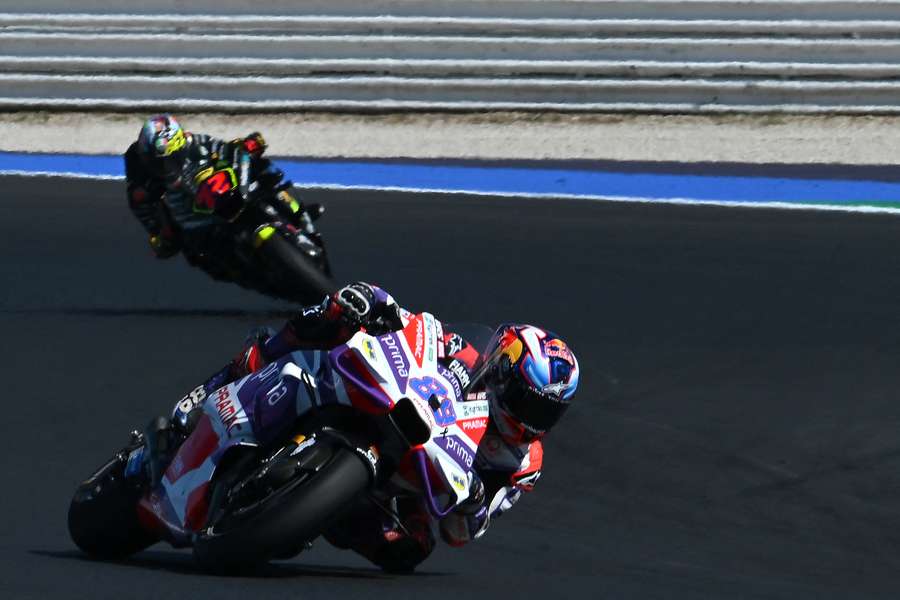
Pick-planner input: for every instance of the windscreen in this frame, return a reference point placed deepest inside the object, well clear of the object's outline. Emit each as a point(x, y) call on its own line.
point(475, 333)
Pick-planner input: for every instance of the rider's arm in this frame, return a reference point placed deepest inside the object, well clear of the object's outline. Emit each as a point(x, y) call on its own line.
point(502, 489)
point(145, 194)
point(219, 149)
point(210, 154)
point(230, 150)
point(324, 325)
point(318, 326)
point(356, 306)
point(507, 488)
point(315, 326)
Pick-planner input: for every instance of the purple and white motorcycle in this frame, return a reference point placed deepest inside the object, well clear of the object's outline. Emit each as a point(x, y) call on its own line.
point(280, 454)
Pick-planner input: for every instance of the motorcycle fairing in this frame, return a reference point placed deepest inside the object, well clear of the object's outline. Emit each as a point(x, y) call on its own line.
point(405, 364)
point(249, 412)
point(371, 374)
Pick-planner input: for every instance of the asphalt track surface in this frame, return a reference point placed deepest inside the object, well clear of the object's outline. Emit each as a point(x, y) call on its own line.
point(736, 435)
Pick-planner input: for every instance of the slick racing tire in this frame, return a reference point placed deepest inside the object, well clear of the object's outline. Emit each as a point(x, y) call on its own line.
point(279, 525)
point(103, 519)
point(302, 279)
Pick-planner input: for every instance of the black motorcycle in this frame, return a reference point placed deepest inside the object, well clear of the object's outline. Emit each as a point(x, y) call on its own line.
point(264, 240)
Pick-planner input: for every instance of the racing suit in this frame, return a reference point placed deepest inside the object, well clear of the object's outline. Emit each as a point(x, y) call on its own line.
point(163, 199)
point(400, 541)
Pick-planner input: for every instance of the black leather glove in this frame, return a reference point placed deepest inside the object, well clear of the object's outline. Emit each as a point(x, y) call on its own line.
point(357, 302)
point(361, 307)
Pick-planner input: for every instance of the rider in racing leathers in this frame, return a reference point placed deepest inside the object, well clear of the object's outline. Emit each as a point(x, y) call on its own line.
point(164, 169)
point(528, 375)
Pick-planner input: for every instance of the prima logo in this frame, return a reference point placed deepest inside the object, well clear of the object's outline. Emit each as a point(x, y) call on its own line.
point(460, 450)
point(454, 382)
point(395, 354)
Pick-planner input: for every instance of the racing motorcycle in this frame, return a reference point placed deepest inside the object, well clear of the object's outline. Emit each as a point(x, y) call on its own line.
point(280, 455)
point(267, 240)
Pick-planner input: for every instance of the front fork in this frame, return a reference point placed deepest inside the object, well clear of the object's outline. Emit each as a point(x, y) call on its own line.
point(296, 220)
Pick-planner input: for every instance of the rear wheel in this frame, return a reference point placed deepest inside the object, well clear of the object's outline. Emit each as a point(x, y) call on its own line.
point(249, 532)
point(103, 519)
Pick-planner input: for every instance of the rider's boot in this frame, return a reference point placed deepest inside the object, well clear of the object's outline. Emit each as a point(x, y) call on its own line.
point(396, 537)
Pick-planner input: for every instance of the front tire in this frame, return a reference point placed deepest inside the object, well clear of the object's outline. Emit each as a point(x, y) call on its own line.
point(103, 518)
point(302, 280)
point(282, 522)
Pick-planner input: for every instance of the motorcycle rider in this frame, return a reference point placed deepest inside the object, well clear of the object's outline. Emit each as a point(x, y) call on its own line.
point(164, 170)
point(529, 376)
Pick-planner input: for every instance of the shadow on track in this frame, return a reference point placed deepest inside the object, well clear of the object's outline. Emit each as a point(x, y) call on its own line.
point(181, 563)
point(179, 313)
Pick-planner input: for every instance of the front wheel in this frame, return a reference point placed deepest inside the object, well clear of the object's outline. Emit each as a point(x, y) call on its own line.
point(103, 519)
point(279, 524)
point(298, 276)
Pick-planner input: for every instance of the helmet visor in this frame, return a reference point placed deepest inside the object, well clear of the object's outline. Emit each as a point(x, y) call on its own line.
point(537, 411)
point(165, 167)
point(489, 355)
point(171, 165)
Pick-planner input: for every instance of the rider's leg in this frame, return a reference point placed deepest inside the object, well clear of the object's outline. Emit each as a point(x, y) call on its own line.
point(396, 544)
point(249, 360)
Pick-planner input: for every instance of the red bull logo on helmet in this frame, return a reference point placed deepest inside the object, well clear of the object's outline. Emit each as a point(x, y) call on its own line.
point(556, 348)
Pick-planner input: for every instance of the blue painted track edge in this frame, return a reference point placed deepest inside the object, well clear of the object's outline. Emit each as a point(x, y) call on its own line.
point(533, 181)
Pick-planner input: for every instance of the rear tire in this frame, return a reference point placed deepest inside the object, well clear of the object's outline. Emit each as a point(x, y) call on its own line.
point(103, 519)
point(285, 520)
